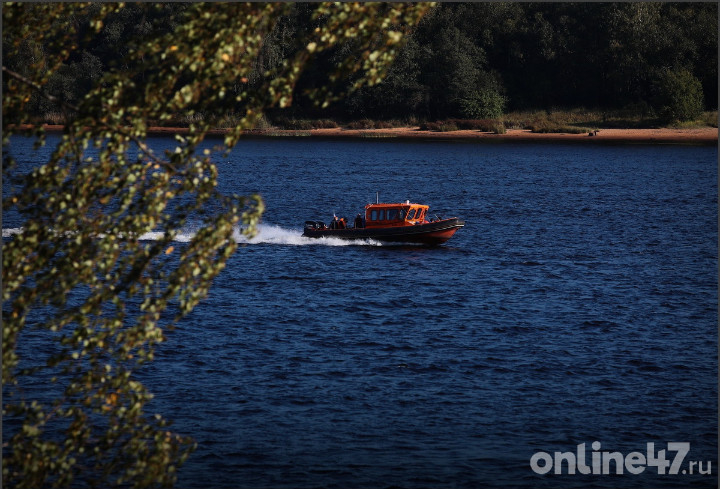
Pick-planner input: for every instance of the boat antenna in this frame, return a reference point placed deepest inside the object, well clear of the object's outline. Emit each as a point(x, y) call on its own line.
point(377, 197)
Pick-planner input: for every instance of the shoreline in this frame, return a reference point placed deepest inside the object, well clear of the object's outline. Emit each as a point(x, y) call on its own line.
point(694, 136)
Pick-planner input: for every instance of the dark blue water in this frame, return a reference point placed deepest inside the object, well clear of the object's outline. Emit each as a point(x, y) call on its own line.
point(579, 304)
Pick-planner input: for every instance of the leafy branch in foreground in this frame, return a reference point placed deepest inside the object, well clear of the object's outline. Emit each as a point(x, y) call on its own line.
point(85, 299)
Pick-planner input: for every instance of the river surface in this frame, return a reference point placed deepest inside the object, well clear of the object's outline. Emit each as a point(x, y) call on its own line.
point(578, 305)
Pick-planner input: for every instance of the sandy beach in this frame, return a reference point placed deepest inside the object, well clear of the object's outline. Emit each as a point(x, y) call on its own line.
point(703, 136)
point(699, 136)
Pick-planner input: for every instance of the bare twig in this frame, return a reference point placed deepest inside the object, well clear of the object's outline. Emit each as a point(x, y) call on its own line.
point(40, 89)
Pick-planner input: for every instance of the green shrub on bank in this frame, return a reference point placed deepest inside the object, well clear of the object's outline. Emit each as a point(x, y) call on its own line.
point(679, 96)
point(710, 118)
point(499, 128)
point(362, 124)
point(324, 124)
point(383, 125)
point(483, 125)
point(291, 124)
point(439, 126)
point(547, 128)
point(707, 119)
point(552, 120)
point(484, 103)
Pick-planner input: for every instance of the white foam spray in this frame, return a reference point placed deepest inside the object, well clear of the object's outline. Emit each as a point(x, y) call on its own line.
point(8, 233)
point(271, 234)
point(267, 234)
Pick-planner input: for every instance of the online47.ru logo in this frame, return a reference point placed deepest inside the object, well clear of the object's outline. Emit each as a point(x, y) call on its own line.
point(603, 463)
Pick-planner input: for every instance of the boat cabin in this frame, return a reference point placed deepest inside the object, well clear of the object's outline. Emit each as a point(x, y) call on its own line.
point(388, 215)
point(398, 223)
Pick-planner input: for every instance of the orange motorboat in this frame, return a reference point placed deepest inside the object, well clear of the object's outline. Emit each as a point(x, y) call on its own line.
point(399, 223)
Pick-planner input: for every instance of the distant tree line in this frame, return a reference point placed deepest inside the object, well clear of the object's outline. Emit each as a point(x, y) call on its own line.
point(476, 60)
point(472, 60)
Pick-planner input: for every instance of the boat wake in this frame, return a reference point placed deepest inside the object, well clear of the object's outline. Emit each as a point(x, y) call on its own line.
point(9, 233)
point(182, 237)
point(270, 234)
point(267, 234)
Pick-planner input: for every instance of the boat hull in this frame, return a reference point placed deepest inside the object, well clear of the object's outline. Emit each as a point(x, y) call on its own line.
point(431, 233)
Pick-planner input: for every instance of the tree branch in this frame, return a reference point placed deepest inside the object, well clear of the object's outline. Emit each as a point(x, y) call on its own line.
point(40, 89)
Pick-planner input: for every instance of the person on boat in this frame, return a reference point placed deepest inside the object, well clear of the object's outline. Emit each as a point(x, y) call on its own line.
point(359, 221)
point(342, 223)
point(334, 223)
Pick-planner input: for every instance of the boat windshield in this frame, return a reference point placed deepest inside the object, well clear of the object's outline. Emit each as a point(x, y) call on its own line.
point(396, 214)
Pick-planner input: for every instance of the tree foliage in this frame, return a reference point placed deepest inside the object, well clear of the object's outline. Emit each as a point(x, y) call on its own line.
point(545, 56)
point(529, 55)
point(485, 103)
point(78, 275)
point(679, 96)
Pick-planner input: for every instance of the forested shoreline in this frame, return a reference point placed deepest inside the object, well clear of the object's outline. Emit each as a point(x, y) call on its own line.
point(648, 62)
